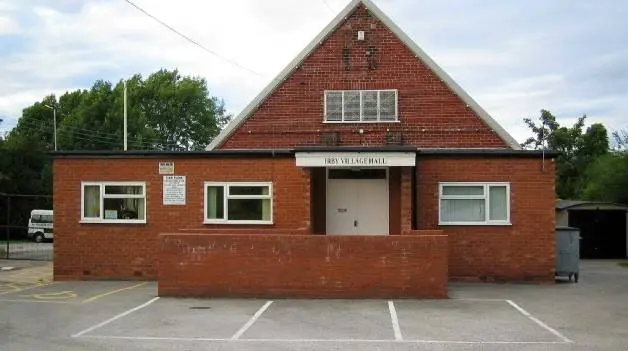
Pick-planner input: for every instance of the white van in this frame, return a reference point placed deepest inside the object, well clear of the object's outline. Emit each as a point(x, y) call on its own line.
point(40, 225)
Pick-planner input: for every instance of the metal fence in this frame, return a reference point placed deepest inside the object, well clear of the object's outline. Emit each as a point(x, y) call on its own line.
point(20, 248)
point(15, 241)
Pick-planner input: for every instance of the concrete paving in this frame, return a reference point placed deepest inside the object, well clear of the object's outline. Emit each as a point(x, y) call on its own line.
point(24, 273)
point(590, 315)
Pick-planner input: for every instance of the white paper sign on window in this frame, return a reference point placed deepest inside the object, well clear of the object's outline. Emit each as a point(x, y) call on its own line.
point(174, 190)
point(166, 167)
point(111, 214)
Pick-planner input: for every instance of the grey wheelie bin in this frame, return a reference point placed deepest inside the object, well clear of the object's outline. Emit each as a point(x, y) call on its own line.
point(567, 252)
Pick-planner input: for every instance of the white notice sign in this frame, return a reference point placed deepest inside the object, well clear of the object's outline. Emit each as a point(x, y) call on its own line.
point(166, 167)
point(355, 159)
point(174, 190)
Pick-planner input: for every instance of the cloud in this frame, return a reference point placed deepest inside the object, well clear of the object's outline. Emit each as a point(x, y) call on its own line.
point(8, 26)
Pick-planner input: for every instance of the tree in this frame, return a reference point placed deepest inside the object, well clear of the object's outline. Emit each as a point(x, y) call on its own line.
point(621, 139)
point(548, 127)
point(37, 122)
point(2, 155)
point(180, 111)
point(166, 111)
point(577, 150)
point(608, 179)
point(23, 163)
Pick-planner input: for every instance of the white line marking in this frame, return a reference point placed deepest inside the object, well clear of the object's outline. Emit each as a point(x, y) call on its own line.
point(395, 321)
point(248, 324)
point(477, 299)
point(158, 338)
point(537, 321)
point(92, 328)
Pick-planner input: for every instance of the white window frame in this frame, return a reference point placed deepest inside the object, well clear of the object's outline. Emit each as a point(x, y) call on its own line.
point(485, 197)
point(342, 121)
point(102, 185)
point(227, 196)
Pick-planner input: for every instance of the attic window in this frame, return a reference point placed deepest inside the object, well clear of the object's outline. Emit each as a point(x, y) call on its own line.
point(354, 106)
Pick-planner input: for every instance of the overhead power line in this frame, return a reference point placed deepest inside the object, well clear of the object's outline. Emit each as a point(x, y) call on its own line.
point(100, 137)
point(192, 40)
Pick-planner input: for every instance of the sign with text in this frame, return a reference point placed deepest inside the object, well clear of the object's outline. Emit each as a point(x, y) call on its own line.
point(174, 190)
point(166, 167)
point(355, 159)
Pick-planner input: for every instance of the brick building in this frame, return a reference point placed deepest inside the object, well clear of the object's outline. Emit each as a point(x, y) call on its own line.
point(362, 170)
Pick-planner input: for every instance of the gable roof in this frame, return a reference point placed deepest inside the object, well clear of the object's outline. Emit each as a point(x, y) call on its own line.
point(322, 36)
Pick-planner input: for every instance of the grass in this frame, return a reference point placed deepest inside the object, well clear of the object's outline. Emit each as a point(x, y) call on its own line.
point(623, 264)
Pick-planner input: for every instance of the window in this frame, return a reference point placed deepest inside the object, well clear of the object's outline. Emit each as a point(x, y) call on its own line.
point(360, 106)
point(41, 218)
point(474, 204)
point(238, 203)
point(113, 202)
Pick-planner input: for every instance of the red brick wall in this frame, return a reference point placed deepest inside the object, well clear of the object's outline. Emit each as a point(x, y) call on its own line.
point(303, 266)
point(84, 251)
point(430, 114)
point(521, 251)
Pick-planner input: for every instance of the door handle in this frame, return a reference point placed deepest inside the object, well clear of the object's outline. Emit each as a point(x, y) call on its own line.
point(355, 223)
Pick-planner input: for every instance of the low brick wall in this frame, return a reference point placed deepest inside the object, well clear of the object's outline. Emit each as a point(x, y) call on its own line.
point(292, 266)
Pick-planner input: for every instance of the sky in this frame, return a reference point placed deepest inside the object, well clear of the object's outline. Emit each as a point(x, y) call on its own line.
point(513, 57)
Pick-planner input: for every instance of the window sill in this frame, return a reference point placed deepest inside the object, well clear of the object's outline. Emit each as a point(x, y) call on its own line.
point(475, 223)
point(359, 122)
point(113, 221)
point(239, 222)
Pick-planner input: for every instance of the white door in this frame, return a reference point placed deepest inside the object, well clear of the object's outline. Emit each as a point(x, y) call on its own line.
point(357, 206)
point(372, 207)
point(342, 206)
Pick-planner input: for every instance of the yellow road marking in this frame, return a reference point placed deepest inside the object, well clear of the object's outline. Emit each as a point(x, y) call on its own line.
point(18, 289)
point(40, 301)
point(96, 297)
point(61, 295)
point(7, 288)
point(30, 275)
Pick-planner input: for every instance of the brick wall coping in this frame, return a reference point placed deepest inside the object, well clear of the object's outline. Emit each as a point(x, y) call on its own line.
point(417, 234)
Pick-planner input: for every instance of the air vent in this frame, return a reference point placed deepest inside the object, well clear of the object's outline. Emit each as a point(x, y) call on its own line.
point(330, 138)
point(394, 138)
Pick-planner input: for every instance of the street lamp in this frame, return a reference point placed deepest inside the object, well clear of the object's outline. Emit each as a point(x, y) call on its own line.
point(54, 121)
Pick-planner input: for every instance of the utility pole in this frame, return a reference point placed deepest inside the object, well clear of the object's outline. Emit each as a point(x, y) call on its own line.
point(54, 122)
point(125, 141)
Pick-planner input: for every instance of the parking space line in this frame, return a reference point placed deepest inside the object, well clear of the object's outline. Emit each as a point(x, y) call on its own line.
point(539, 322)
point(96, 297)
point(395, 321)
point(248, 324)
point(339, 341)
point(101, 324)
